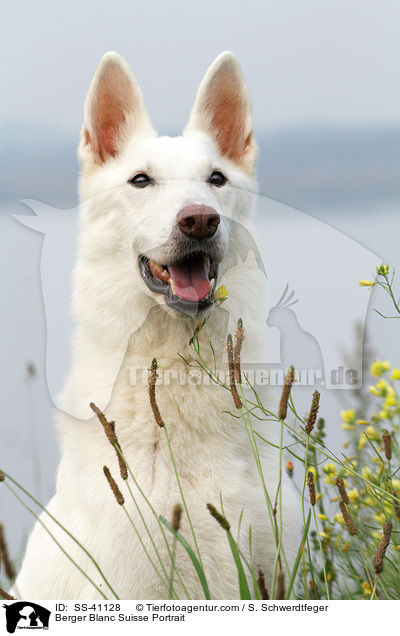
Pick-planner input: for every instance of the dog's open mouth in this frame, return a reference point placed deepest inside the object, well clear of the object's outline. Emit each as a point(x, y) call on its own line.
point(187, 285)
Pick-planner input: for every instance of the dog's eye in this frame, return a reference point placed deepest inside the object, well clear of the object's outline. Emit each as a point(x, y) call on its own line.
point(140, 180)
point(217, 179)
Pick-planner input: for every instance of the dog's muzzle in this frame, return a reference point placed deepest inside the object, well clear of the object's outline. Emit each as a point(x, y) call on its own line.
point(188, 285)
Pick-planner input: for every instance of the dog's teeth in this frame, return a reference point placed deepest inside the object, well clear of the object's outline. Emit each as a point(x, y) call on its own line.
point(212, 284)
point(171, 282)
point(208, 263)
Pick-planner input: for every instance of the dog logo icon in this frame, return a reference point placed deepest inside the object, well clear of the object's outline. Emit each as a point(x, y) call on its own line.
point(26, 615)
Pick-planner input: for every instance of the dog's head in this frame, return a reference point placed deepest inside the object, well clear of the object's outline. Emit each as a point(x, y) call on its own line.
point(157, 212)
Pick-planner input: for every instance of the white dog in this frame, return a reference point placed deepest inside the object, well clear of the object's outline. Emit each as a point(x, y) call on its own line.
point(162, 225)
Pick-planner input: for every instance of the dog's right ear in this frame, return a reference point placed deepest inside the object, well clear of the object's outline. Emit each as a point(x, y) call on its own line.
point(114, 111)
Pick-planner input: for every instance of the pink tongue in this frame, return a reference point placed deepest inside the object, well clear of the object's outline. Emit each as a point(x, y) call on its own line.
point(190, 280)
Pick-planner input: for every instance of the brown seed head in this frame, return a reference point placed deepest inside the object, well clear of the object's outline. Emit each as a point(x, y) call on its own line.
point(109, 429)
point(311, 488)
point(342, 490)
point(351, 527)
point(289, 379)
point(262, 587)
point(218, 517)
point(313, 412)
point(387, 443)
point(239, 337)
point(235, 395)
point(114, 486)
point(381, 550)
point(176, 517)
point(153, 375)
point(2, 476)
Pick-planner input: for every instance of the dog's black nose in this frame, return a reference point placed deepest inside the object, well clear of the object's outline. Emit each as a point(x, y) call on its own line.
point(198, 221)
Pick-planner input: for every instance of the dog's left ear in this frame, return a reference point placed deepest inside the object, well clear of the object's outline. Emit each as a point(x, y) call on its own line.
point(114, 111)
point(222, 109)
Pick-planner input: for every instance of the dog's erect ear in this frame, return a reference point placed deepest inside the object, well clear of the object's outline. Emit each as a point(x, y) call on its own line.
point(223, 110)
point(114, 110)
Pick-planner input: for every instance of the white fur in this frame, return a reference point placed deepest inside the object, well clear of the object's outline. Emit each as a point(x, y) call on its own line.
point(121, 324)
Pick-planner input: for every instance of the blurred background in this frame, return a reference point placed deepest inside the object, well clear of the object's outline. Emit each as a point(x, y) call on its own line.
point(325, 83)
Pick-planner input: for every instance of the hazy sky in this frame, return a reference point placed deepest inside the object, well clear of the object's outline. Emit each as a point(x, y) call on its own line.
point(308, 61)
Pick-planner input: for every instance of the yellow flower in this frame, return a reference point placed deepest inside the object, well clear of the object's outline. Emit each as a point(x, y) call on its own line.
point(319, 496)
point(330, 469)
point(368, 501)
point(324, 535)
point(372, 433)
point(348, 416)
point(221, 293)
point(366, 283)
point(366, 588)
point(377, 535)
point(354, 495)
point(366, 472)
point(362, 441)
point(382, 385)
point(339, 518)
point(311, 469)
point(329, 576)
point(345, 546)
point(376, 369)
point(362, 422)
point(374, 390)
point(382, 269)
point(384, 414)
point(348, 427)
point(395, 374)
point(391, 400)
point(322, 517)
point(396, 484)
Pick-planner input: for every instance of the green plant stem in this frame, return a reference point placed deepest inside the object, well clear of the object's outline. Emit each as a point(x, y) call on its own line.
point(322, 554)
point(32, 498)
point(58, 544)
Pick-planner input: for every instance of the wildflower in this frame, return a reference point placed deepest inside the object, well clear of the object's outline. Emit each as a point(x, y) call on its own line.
point(319, 496)
point(382, 270)
point(374, 390)
point(372, 433)
point(345, 546)
point(330, 469)
point(109, 430)
point(289, 468)
point(221, 294)
point(322, 517)
point(395, 374)
point(366, 588)
point(366, 283)
point(348, 416)
point(382, 385)
point(362, 441)
point(324, 535)
point(329, 576)
point(362, 422)
point(339, 518)
point(391, 399)
point(384, 414)
point(378, 368)
point(396, 484)
point(366, 472)
point(348, 427)
point(312, 469)
point(354, 495)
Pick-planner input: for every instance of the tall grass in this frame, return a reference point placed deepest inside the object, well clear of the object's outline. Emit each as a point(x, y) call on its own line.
point(350, 541)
